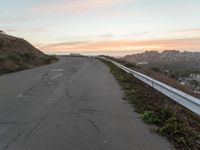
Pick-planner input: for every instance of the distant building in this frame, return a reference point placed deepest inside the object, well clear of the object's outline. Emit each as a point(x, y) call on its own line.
point(75, 54)
point(196, 92)
point(170, 52)
point(196, 76)
point(142, 63)
point(183, 82)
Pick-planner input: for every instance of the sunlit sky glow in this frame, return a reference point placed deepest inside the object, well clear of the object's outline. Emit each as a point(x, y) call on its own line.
point(114, 27)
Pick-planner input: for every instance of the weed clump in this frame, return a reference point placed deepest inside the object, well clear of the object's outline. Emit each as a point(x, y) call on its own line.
point(150, 117)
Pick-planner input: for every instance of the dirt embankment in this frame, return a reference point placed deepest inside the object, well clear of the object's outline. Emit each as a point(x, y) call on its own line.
point(18, 54)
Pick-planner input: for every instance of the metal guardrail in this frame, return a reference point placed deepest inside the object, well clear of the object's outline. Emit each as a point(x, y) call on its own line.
point(180, 97)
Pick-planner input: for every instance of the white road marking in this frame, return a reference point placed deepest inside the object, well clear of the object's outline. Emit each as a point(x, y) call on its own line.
point(57, 70)
point(58, 75)
point(52, 78)
point(21, 95)
point(104, 142)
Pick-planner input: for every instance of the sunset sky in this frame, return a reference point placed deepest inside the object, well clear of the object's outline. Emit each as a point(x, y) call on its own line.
point(113, 27)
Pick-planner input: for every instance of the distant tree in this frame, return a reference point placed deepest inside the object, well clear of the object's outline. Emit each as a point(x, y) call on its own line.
point(195, 83)
point(155, 69)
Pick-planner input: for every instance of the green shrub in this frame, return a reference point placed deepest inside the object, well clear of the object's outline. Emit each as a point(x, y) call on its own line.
point(150, 117)
point(14, 57)
point(170, 126)
point(28, 57)
point(3, 59)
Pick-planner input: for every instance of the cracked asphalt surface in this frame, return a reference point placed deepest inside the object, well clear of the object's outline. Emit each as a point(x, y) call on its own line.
point(75, 104)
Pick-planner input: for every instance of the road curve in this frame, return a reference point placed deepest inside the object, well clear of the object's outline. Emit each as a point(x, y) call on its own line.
point(75, 104)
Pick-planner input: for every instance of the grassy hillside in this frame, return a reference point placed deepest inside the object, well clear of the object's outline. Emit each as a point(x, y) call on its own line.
point(17, 54)
point(181, 64)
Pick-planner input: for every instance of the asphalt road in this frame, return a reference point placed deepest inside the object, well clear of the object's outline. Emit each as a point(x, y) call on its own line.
point(75, 104)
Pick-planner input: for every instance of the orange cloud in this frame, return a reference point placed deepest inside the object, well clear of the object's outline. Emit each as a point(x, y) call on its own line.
point(188, 30)
point(68, 43)
point(123, 45)
point(77, 6)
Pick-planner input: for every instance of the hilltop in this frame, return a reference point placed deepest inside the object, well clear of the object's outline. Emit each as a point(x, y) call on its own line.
point(180, 63)
point(18, 54)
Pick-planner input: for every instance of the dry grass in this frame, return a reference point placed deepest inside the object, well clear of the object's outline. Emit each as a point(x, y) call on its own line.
point(13, 62)
point(181, 126)
point(157, 75)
